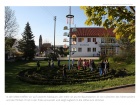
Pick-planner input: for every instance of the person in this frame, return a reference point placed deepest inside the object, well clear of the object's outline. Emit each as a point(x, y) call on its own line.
point(49, 62)
point(84, 64)
point(38, 65)
point(78, 65)
point(52, 63)
point(80, 61)
point(102, 67)
point(72, 63)
point(92, 65)
point(107, 65)
point(58, 62)
point(64, 71)
point(87, 63)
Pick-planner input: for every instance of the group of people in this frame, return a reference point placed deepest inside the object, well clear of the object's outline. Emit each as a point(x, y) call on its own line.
point(103, 67)
point(85, 64)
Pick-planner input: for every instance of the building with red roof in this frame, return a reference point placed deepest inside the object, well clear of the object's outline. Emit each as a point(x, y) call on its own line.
point(93, 41)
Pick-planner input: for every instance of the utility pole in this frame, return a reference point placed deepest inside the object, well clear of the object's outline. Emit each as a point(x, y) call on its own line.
point(54, 31)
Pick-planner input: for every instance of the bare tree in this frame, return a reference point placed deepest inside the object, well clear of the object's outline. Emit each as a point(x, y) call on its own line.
point(11, 26)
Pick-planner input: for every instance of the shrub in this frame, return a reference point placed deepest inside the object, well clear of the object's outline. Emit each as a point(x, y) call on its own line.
point(124, 58)
point(102, 57)
point(18, 58)
point(118, 58)
point(113, 71)
point(53, 56)
point(120, 73)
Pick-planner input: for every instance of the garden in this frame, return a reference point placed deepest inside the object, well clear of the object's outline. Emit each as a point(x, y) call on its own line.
point(23, 76)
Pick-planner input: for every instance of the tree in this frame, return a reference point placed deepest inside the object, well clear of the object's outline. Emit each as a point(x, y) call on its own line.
point(11, 29)
point(121, 18)
point(11, 26)
point(27, 44)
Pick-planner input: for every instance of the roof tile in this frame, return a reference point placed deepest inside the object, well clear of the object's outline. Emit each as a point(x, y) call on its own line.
point(93, 32)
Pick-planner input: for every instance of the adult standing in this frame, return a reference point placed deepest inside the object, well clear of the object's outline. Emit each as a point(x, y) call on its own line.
point(49, 63)
point(107, 65)
point(38, 65)
point(58, 62)
point(84, 64)
point(92, 65)
point(102, 67)
point(64, 71)
point(72, 63)
point(78, 65)
point(52, 64)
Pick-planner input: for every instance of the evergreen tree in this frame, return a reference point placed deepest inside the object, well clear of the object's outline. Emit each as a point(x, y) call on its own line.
point(27, 44)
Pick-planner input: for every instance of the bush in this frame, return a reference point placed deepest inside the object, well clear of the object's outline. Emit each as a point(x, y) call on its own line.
point(53, 56)
point(102, 57)
point(46, 59)
point(18, 58)
point(118, 58)
point(124, 58)
point(66, 53)
point(113, 71)
point(129, 60)
point(120, 73)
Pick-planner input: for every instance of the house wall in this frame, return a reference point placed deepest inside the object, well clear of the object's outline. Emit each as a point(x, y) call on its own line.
point(85, 45)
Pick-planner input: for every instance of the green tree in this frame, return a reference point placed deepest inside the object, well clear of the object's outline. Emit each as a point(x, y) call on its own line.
point(121, 18)
point(27, 44)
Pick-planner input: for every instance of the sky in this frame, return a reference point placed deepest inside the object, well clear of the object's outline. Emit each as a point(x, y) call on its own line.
point(41, 19)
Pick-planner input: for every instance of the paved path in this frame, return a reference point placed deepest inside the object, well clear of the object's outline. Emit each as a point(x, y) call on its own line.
point(119, 89)
point(76, 58)
point(130, 89)
point(67, 58)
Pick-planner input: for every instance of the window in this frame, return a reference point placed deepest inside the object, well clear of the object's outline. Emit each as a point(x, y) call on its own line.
point(79, 49)
point(113, 40)
point(74, 49)
point(102, 40)
point(79, 39)
point(108, 40)
point(88, 49)
point(74, 39)
point(94, 49)
point(94, 39)
point(88, 39)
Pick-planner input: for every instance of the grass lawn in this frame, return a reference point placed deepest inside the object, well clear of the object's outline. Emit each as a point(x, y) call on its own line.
point(14, 85)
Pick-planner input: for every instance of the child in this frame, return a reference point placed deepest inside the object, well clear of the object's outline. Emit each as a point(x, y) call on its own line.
point(38, 65)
